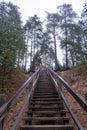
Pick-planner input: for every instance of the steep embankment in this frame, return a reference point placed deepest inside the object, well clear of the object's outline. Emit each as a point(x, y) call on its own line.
point(77, 78)
point(13, 83)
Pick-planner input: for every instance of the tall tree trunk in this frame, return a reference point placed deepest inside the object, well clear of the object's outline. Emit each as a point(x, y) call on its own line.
point(66, 48)
point(66, 54)
point(75, 53)
point(72, 58)
point(34, 38)
point(85, 46)
point(18, 58)
point(55, 49)
point(31, 55)
point(26, 52)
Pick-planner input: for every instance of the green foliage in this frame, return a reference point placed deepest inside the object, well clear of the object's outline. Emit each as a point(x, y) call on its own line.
point(6, 90)
point(16, 40)
point(83, 61)
point(53, 21)
point(3, 80)
point(80, 68)
point(12, 45)
point(33, 32)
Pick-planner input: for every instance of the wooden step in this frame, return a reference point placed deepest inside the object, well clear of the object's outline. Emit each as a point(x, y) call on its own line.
point(61, 120)
point(45, 96)
point(46, 102)
point(44, 91)
point(34, 108)
point(61, 112)
point(47, 127)
point(44, 85)
point(47, 88)
point(45, 99)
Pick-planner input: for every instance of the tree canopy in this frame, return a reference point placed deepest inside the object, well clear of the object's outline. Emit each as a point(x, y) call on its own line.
point(35, 45)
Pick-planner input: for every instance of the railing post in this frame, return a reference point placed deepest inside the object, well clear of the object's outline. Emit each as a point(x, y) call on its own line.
point(3, 99)
point(59, 82)
point(79, 99)
point(1, 125)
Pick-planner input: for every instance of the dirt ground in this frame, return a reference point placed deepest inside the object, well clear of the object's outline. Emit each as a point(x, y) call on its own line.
point(77, 78)
point(14, 82)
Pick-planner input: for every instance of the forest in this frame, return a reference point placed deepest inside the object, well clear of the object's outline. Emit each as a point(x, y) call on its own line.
point(36, 44)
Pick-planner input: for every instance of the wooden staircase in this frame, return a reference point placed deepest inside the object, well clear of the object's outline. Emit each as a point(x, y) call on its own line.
point(46, 110)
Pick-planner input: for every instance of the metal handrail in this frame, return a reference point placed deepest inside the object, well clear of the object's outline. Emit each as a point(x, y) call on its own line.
point(79, 99)
point(4, 109)
point(25, 104)
point(80, 127)
point(74, 117)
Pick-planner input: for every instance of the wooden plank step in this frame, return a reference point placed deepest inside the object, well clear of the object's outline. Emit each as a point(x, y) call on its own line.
point(43, 84)
point(46, 92)
point(61, 112)
point(46, 102)
point(49, 90)
point(47, 87)
point(44, 96)
point(56, 119)
point(47, 127)
point(51, 101)
point(43, 80)
point(45, 99)
point(46, 108)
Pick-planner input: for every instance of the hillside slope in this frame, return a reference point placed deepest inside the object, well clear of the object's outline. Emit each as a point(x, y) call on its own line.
point(77, 78)
point(14, 82)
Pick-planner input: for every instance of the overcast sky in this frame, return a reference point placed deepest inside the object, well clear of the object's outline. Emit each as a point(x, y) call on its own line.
point(30, 7)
